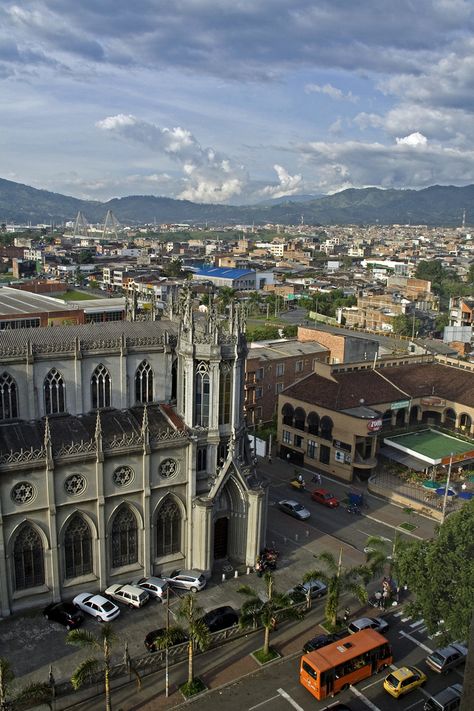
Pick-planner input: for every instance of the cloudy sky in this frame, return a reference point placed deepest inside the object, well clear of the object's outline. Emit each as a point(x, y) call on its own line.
point(235, 100)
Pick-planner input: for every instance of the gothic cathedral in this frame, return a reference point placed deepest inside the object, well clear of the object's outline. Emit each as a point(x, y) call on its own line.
point(123, 452)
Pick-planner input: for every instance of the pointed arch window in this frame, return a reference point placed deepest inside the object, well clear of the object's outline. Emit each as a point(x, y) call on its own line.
point(144, 383)
point(28, 559)
point(168, 528)
point(100, 387)
point(8, 397)
point(225, 393)
point(201, 395)
point(124, 538)
point(77, 548)
point(54, 393)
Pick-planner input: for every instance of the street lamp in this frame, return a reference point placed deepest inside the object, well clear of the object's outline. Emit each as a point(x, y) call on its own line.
point(445, 499)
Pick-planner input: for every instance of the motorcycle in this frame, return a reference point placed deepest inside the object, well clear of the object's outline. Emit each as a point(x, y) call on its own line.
point(298, 484)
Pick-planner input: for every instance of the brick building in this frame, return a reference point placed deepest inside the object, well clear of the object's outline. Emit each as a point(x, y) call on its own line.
point(271, 367)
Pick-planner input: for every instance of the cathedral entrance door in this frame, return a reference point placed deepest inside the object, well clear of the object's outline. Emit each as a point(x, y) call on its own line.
point(221, 533)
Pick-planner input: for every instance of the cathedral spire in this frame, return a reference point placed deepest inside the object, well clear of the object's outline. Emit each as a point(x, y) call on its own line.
point(48, 445)
point(145, 428)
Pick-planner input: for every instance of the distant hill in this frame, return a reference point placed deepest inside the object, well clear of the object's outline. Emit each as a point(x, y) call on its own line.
point(436, 205)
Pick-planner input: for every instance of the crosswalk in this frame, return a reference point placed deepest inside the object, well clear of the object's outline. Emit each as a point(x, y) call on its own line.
point(418, 625)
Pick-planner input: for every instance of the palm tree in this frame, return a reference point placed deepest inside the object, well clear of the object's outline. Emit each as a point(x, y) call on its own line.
point(224, 297)
point(100, 643)
point(198, 633)
point(34, 694)
point(276, 607)
point(338, 581)
point(381, 555)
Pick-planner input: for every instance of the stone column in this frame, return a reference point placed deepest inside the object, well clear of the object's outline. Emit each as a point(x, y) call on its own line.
point(214, 383)
point(101, 548)
point(256, 525)
point(201, 555)
point(4, 598)
point(51, 518)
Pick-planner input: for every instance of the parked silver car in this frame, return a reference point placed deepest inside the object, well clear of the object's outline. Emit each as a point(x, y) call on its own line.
point(444, 659)
point(191, 580)
point(363, 623)
point(155, 587)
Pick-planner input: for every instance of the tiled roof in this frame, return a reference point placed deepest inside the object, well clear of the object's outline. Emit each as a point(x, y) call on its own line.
point(347, 389)
point(51, 335)
point(71, 429)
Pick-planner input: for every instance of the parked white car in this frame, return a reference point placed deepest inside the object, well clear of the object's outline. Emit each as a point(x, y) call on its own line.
point(130, 595)
point(98, 606)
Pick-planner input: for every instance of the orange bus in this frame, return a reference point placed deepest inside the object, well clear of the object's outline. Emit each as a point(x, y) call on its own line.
point(333, 668)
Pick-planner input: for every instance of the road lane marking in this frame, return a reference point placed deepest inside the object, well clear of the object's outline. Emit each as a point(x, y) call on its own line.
point(413, 705)
point(367, 686)
point(364, 699)
point(415, 641)
point(416, 624)
point(291, 701)
point(262, 703)
point(397, 614)
point(405, 619)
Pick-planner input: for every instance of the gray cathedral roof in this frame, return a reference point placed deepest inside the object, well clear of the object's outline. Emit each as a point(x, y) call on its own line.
point(90, 332)
point(67, 430)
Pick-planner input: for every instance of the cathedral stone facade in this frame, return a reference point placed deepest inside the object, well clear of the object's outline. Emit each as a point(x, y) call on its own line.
point(123, 452)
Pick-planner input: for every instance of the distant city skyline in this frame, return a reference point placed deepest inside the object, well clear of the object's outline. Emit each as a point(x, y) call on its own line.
point(236, 102)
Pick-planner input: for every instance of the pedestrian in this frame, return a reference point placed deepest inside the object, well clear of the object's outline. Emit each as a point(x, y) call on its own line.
point(269, 459)
point(378, 599)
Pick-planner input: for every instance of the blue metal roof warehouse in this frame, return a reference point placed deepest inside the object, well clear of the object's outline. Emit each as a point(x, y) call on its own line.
point(240, 279)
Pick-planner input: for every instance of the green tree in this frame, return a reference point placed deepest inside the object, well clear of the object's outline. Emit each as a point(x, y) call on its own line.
point(225, 296)
point(12, 698)
point(174, 268)
point(254, 300)
point(440, 574)
point(441, 321)
point(290, 331)
point(198, 633)
point(99, 644)
point(470, 274)
point(403, 325)
point(339, 580)
point(275, 608)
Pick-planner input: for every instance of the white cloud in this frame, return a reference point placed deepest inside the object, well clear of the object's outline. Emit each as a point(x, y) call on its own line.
point(329, 90)
point(208, 176)
point(414, 139)
point(287, 184)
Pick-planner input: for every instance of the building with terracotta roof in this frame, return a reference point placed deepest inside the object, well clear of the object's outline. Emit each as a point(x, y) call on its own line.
point(334, 419)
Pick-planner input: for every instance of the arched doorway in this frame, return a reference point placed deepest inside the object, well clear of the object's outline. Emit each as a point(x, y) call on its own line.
point(450, 418)
point(221, 538)
point(431, 417)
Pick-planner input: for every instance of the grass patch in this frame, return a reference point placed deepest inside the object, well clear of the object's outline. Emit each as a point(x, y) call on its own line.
point(195, 687)
point(407, 526)
point(263, 658)
point(77, 296)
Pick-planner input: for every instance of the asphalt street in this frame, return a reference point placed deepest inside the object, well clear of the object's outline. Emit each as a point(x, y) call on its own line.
point(276, 687)
point(32, 643)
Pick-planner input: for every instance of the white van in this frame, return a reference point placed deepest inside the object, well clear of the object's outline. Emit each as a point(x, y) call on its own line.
point(130, 595)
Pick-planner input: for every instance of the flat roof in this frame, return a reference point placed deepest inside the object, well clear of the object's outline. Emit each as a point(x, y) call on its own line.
point(222, 272)
point(281, 349)
point(432, 447)
point(15, 302)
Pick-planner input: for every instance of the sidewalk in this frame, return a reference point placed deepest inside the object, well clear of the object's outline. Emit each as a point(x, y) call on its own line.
point(216, 668)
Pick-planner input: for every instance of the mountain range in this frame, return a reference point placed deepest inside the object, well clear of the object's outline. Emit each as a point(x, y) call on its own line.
point(436, 205)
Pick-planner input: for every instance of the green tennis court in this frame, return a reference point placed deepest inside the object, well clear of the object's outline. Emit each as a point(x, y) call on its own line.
point(432, 447)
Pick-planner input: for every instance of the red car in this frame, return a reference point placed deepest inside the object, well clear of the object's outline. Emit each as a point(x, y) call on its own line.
point(323, 496)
